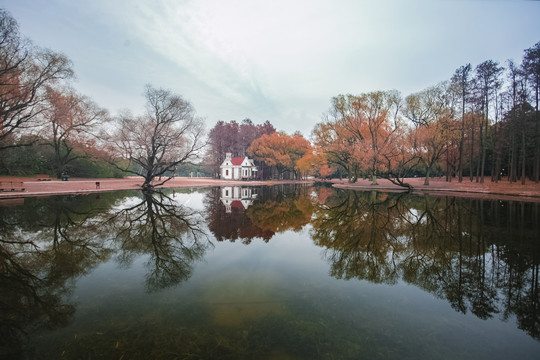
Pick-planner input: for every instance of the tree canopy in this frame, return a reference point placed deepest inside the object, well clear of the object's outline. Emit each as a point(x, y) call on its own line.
point(155, 143)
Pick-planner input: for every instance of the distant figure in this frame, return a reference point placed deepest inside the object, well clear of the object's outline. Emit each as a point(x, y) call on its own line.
point(97, 185)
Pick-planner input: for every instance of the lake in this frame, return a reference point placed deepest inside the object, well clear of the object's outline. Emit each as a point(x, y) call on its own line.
point(274, 272)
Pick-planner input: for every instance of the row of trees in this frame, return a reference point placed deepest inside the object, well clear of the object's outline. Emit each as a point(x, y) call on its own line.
point(232, 137)
point(40, 110)
point(277, 154)
point(480, 122)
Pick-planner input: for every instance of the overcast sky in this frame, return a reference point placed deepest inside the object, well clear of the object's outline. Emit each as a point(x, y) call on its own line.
point(276, 60)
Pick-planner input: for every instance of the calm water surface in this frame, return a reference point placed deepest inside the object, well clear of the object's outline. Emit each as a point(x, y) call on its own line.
point(280, 272)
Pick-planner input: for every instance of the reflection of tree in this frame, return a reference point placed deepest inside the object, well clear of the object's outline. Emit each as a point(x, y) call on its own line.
point(170, 233)
point(360, 239)
point(28, 301)
point(43, 245)
point(446, 258)
point(277, 209)
point(481, 256)
point(47, 243)
point(279, 216)
point(233, 225)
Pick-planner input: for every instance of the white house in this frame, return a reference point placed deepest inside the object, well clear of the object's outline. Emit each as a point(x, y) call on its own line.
point(237, 197)
point(238, 168)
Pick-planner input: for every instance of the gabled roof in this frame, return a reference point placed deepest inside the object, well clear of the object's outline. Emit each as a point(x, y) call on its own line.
point(237, 161)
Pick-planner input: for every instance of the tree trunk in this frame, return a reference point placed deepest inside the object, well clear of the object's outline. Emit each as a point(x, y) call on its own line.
point(537, 141)
point(471, 156)
point(523, 156)
point(496, 172)
point(484, 145)
point(537, 133)
point(512, 160)
point(461, 140)
point(498, 167)
point(353, 174)
point(374, 173)
point(449, 166)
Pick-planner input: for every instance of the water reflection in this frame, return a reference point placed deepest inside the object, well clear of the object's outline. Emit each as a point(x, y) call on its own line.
point(245, 213)
point(171, 234)
point(44, 247)
point(481, 256)
point(49, 243)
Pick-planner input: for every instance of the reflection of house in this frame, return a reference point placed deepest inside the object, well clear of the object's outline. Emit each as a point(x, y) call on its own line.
point(237, 197)
point(238, 168)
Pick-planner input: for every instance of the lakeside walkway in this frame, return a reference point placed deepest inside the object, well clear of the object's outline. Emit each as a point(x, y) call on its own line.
point(33, 187)
point(438, 186)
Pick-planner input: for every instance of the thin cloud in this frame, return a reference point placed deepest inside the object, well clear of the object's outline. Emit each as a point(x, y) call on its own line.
point(275, 60)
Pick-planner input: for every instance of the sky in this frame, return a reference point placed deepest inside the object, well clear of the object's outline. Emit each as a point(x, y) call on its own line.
point(276, 60)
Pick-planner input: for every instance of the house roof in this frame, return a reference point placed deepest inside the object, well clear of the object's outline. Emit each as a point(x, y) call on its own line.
point(237, 161)
point(237, 204)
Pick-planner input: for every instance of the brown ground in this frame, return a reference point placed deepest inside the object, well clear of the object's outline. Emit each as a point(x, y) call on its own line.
point(494, 190)
point(33, 187)
point(501, 190)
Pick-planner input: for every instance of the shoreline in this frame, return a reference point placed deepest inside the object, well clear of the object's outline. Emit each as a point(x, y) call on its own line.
point(502, 190)
point(35, 188)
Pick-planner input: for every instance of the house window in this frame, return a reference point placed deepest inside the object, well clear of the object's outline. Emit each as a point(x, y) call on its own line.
point(226, 172)
point(226, 192)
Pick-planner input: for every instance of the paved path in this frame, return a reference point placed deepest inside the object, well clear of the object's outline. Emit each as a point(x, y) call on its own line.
point(501, 190)
point(83, 186)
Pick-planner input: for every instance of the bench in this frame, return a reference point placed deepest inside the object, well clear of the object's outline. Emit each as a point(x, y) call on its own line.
point(43, 177)
point(11, 186)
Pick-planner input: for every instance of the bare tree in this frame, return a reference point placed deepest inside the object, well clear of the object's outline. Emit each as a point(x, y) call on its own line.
point(25, 72)
point(155, 143)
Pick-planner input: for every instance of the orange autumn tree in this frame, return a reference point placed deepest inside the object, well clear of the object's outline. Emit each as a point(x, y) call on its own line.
point(25, 72)
point(281, 151)
point(70, 125)
point(432, 115)
point(306, 164)
point(365, 131)
point(336, 146)
point(314, 163)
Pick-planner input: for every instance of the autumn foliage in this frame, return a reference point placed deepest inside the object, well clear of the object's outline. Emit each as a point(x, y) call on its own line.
point(483, 121)
point(232, 137)
point(287, 154)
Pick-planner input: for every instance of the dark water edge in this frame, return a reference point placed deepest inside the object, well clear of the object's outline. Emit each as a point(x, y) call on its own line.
point(285, 272)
